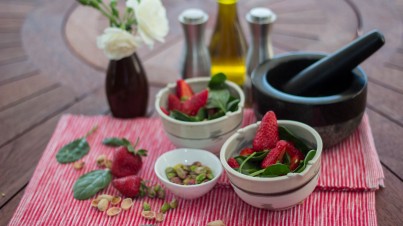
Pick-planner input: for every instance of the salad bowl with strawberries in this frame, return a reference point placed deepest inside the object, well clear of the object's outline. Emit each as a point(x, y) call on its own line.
point(273, 164)
point(200, 113)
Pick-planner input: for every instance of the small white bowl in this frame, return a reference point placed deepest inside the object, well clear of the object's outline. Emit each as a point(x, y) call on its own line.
point(187, 156)
point(207, 135)
point(294, 186)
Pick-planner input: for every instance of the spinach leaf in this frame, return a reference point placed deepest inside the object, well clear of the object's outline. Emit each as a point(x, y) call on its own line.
point(248, 167)
point(232, 104)
point(114, 142)
point(285, 134)
point(260, 155)
point(200, 116)
point(308, 158)
point(89, 184)
point(217, 81)
point(218, 99)
point(275, 170)
point(216, 115)
point(73, 151)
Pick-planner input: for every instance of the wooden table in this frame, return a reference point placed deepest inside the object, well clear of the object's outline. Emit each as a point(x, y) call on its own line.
point(49, 66)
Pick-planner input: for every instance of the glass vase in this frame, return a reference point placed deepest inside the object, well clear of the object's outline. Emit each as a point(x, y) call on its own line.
point(127, 87)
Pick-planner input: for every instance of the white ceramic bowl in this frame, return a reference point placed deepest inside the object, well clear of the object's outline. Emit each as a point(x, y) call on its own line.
point(289, 189)
point(207, 135)
point(187, 156)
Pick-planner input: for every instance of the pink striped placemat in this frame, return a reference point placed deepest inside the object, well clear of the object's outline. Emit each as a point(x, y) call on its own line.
point(350, 174)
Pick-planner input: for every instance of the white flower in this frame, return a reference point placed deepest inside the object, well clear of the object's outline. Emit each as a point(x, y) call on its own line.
point(151, 18)
point(117, 43)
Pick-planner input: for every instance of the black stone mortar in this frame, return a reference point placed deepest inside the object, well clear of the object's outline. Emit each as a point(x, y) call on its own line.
point(334, 110)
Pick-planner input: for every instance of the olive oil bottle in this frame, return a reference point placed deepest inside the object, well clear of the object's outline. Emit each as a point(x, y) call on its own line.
point(228, 45)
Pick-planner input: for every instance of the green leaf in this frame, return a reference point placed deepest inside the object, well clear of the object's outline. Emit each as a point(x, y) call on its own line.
point(89, 184)
point(73, 151)
point(275, 170)
point(285, 134)
point(311, 154)
point(217, 81)
point(218, 99)
point(114, 142)
point(246, 166)
point(232, 104)
point(260, 155)
point(216, 115)
point(182, 116)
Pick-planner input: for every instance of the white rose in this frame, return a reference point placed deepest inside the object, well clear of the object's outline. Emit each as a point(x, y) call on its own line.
point(152, 22)
point(117, 43)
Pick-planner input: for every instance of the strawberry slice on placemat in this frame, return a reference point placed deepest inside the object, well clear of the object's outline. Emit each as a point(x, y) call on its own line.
point(267, 134)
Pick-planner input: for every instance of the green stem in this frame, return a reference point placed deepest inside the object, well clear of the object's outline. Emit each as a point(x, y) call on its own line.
point(257, 172)
point(109, 14)
point(91, 131)
point(243, 163)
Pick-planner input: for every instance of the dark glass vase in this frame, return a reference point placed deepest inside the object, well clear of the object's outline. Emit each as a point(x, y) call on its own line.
point(127, 87)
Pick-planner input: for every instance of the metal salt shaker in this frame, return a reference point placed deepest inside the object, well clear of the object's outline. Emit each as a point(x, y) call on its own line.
point(195, 57)
point(260, 22)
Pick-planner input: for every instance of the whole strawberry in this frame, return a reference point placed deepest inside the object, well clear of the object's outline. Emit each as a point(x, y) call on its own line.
point(267, 134)
point(130, 186)
point(126, 160)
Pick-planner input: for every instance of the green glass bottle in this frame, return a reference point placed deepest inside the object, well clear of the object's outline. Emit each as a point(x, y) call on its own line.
point(228, 44)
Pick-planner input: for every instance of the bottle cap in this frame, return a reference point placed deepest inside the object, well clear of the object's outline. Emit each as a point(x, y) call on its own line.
point(261, 15)
point(193, 16)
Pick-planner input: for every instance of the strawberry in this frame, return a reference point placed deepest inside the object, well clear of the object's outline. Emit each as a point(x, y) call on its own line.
point(267, 134)
point(183, 90)
point(275, 155)
point(126, 162)
point(246, 152)
point(233, 163)
point(130, 186)
point(197, 101)
point(295, 155)
point(164, 110)
point(174, 103)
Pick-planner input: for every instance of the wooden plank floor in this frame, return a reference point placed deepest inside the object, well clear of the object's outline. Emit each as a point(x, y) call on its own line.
point(49, 66)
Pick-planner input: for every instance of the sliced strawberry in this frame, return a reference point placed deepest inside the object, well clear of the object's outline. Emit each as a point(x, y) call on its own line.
point(295, 155)
point(183, 90)
point(174, 103)
point(233, 163)
point(164, 110)
point(197, 101)
point(275, 155)
point(267, 134)
point(246, 152)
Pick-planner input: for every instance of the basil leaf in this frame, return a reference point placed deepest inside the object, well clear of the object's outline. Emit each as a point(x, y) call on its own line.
point(114, 142)
point(308, 158)
point(89, 184)
point(275, 170)
point(285, 134)
point(73, 151)
point(217, 81)
point(218, 99)
point(232, 104)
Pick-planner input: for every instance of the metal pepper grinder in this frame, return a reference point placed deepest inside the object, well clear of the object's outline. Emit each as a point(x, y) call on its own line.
point(195, 57)
point(260, 22)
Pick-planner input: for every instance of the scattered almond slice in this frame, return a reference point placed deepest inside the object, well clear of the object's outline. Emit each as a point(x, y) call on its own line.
point(159, 217)
point(216, 223)
point(105, 196)
point(78, 165)
point(116, 200)
point(113, 211)
point(148, 214)
point(103, 205)
point(126, 204)
point(101, 160)
point(94, 203)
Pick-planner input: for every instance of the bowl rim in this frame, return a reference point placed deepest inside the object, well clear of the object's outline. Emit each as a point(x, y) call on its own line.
point(204, 152)
point(205, 122)
point(288, 176)
point(265, 87)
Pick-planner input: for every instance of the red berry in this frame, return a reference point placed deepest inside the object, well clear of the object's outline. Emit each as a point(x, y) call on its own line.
point(246, 152)
point(174, 103)
point(164, 110)
point(267, 134)
point(233, 163)
point(295, 155)
point(197, 101)
point(275, 155)
point(183, 90)
point(125, 163)
point(130, 186)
